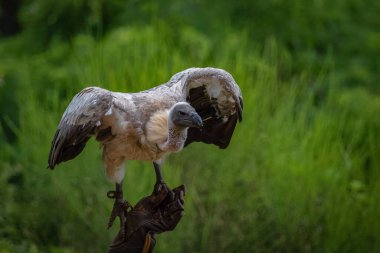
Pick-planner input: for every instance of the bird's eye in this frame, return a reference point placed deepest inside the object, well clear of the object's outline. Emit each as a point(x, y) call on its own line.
point(181, 113)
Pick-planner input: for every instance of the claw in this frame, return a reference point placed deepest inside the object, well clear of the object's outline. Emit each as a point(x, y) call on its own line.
point(120, 207)
point(117, 210)
point(160, 188)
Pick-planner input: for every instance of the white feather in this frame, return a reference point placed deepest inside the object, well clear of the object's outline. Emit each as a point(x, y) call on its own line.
point(109, 112)
point(214, 88)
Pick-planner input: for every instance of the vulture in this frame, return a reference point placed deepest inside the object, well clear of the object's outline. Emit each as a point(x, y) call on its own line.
point(195, 105)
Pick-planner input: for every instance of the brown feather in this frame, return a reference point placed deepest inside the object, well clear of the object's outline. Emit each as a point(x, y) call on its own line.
point(214, 131)
point(217, 129)
point(78, 124)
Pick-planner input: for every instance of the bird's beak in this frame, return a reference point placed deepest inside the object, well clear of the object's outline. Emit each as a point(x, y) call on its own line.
point(196, 120)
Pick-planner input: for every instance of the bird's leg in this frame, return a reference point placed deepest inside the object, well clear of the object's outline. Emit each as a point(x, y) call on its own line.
point(157, 169)
point(119, 207)
point(160, 184)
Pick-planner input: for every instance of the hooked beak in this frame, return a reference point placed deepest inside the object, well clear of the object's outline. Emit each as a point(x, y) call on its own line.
point(196, 120)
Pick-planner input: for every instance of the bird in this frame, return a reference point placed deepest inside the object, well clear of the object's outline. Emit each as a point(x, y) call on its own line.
point(195, 105)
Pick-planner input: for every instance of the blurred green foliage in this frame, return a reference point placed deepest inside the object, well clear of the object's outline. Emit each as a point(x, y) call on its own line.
point(301, 173)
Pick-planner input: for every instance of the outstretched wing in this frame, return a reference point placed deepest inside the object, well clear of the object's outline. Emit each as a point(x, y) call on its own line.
point(217, 99)
point(78, 123)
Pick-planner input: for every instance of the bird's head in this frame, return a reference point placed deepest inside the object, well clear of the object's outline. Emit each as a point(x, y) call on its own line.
point(184, 115)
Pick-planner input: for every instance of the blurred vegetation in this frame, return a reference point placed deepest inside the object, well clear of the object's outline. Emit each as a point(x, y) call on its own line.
point(302, 171)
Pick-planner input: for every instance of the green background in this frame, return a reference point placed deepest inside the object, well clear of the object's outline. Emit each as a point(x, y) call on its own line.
point(301, 173)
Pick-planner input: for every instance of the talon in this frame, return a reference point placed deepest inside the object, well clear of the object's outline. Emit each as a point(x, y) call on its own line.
point(127, 207)
point(119, 208)
point(160, 186)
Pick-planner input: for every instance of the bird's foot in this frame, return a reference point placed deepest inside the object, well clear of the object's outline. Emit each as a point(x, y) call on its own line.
point(120, 209)
point(162, 186)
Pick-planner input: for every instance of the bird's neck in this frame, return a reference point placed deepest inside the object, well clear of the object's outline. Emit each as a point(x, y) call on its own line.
point(176, 138)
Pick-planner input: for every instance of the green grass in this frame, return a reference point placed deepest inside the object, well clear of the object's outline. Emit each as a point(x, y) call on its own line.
point(300, 175)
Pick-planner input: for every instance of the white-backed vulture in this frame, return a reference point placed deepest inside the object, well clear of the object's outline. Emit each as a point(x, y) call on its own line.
point(195, 105)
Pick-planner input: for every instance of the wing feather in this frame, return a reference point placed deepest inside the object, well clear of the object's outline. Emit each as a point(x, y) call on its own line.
point(218, 100)
point(78, 123)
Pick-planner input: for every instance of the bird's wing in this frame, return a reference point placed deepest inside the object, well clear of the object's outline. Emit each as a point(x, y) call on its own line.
point(78, 123)
point(217, 99)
